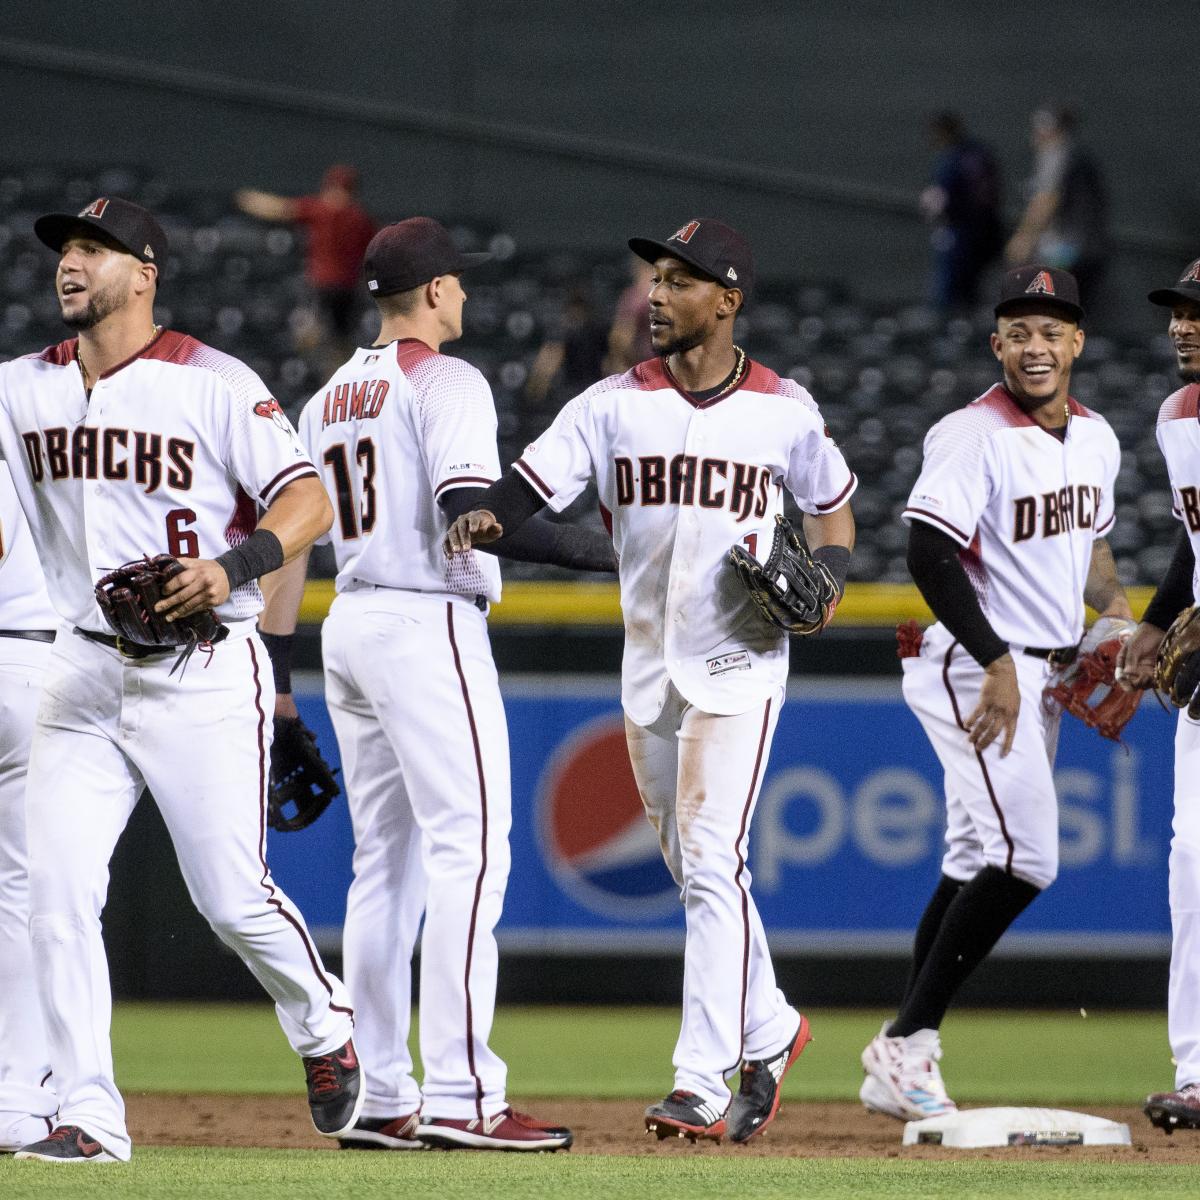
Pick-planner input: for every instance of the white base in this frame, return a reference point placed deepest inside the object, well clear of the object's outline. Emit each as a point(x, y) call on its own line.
point(978, 1127)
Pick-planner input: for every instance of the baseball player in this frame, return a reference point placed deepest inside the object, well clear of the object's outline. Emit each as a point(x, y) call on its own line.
point(691, 452)
point(27, 623)
point(407, 438)
point(1006, 525)
point(1179, 440)
point(124, 440)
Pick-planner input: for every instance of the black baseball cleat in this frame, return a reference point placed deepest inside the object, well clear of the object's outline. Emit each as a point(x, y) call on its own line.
point(1170, 1111)
point(757, 1100)
point(685, 1115)
point(383, 1133)
point(67, 1144)
point(335, 1095)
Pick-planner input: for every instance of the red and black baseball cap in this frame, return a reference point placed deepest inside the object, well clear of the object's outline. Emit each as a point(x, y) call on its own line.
point(1187, 288)
point(410, 253)
point(711, 247)
point(1043, 287)
point(121, 222)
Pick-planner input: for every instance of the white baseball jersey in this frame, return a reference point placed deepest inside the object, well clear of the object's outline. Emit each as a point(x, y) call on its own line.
point(1179, 440)
point(24, 602)
point(1024, 506)
point(173, 452)
point(681, 481)
point(394, 429)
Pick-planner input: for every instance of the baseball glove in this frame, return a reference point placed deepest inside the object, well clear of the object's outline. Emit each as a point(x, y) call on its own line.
point(1177, 671)
point(1087, 688)
point(302, 782)
point(127, 597)
point(791, 589)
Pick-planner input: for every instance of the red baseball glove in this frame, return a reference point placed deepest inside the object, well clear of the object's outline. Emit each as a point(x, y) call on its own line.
point(1087, 688)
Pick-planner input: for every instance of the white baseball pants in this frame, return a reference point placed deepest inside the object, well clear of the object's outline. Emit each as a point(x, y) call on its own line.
point(699, 776)
point(1000, 812)
point(24, 1058)
point(1183, 993)
point(108, 727)
point(415, 701)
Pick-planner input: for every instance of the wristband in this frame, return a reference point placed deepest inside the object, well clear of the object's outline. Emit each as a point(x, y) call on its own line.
point(836, 560)
point(260, 554)
point(279, 651)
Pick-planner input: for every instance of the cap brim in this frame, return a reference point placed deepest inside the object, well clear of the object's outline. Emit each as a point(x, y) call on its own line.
point(1169, 297)
point(54, 228)
point(1073, 312)
point(475, 258)
point(651, 252)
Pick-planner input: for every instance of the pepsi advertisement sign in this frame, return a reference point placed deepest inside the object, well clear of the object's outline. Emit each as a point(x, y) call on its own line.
point(845, 846)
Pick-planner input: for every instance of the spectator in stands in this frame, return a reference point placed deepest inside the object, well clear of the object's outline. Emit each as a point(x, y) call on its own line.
point(629, 337)
point(962, 203)
point(573, 355)
point(338, 229)
point(1065, 223)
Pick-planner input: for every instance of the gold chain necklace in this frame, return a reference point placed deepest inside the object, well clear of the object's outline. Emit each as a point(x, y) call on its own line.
point(739, 369)
point(155, 330)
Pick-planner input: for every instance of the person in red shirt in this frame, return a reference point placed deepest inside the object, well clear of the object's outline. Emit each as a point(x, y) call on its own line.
point(338, 229)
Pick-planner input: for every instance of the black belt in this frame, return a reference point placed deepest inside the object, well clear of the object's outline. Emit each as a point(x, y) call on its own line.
point(480, 603)
point(29, 635)
point(1056, 656)
point(124, 645)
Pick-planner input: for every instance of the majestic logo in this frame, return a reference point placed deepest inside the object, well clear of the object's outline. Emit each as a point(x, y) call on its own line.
point(1192, 274)
point(1042, 285)
point(96, 208)
point(685, 234)
point(593, 831)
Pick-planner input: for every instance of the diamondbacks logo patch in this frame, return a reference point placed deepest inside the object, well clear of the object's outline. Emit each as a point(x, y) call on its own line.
point(273, 411)
point(1042, 285)
point(686, 233)
point(1192, 274)
point(96, 208)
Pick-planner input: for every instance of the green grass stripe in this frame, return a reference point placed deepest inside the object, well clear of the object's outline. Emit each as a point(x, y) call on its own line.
point(997, 1057)
point(158, 1174)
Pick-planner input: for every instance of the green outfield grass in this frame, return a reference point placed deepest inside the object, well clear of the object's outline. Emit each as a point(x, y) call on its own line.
point(997, 1057)
point(235, 1174)
point(1021, 1058)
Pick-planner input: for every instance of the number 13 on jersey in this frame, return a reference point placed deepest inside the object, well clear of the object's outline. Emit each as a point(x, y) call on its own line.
point(354, 518)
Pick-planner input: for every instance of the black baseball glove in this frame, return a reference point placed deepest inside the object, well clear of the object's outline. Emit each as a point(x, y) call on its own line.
point(791, 589)
point(302, 782)
point(127, 597)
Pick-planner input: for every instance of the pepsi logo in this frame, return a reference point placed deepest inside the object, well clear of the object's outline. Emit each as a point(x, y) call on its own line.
point(592, 828)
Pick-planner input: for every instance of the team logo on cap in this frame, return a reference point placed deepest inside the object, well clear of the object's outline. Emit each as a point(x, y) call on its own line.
point(1042, 285)
point(686, 233)
point(1192, 274)
point(96, 208)
point(593, 831)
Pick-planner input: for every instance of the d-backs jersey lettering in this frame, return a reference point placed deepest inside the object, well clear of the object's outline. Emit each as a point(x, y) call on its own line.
point(394, 429)
point(173, 452)
point(682, 481)
point(1179, 440)
point(1024, 506)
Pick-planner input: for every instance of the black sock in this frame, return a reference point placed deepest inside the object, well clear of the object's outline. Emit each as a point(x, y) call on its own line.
point(973, 923)
point(927, 930)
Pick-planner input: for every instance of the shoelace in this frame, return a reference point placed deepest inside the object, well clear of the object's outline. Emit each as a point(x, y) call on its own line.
point(322, 1075)
point(749, 1070)
point(62, 1134)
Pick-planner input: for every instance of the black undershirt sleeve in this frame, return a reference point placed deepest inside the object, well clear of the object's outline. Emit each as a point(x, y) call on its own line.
point(936, 570)
point(529, 537)
point(1174, 594)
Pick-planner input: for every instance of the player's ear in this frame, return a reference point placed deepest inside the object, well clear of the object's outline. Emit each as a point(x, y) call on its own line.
point(145, 278)
point(731, 303)
point(996, 344)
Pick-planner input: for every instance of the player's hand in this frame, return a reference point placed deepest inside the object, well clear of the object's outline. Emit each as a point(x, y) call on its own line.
point(475, 528)
point(285, 706)
point(999, 704)
point(1136, 659)
point(201, 584)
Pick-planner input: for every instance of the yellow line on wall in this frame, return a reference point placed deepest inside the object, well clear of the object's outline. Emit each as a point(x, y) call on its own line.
point(868, 605)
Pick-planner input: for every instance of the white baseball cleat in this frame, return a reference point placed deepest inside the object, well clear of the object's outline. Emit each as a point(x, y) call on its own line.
point(903, 1078)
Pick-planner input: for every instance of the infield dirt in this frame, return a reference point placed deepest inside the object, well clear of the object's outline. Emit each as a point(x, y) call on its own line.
point(802, 1129)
